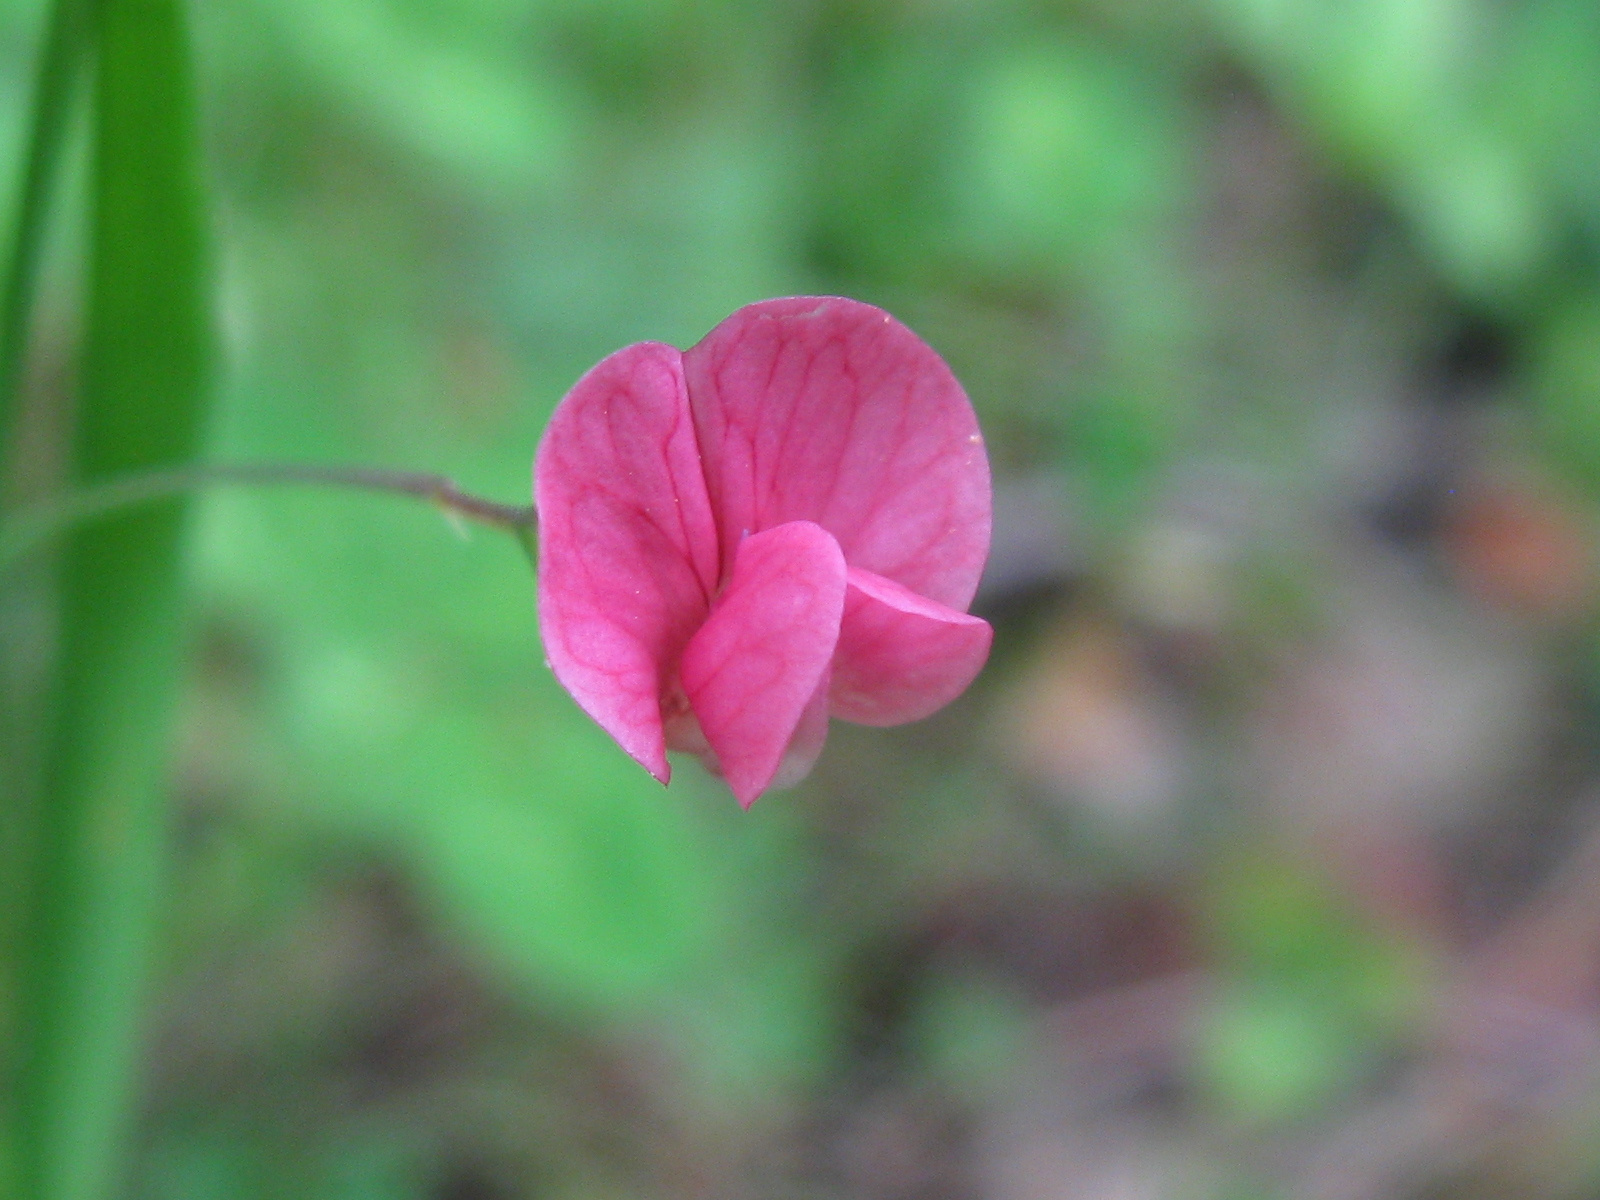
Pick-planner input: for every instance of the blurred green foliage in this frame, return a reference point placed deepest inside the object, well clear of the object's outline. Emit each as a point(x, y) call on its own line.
point(432, 217)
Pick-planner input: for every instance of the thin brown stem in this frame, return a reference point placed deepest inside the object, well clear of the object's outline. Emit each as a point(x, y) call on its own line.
point(32, 527)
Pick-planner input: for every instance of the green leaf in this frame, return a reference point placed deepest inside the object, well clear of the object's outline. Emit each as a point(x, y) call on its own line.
point(99, 847)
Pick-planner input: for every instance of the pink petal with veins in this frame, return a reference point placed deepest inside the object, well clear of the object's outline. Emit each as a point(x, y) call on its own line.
point(628, 558)
point(828, 410)
point(756, 666)
point(901, 656)
point(788, 519)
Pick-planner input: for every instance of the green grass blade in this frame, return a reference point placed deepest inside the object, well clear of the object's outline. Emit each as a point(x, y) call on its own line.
point(60, 65)
point(100, 844)
point(59, 74)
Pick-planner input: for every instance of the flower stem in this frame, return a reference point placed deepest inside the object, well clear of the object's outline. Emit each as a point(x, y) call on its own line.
point(32, 527)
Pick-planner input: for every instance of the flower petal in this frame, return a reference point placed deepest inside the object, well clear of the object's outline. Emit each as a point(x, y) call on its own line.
point(754, 667)
point(828, 410)
point(628, 554)
point(901, 656)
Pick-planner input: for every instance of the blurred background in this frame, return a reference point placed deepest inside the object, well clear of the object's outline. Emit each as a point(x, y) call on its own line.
point(1264, 859)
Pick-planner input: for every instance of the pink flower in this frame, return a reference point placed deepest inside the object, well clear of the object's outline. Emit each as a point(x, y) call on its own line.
point(786, 522)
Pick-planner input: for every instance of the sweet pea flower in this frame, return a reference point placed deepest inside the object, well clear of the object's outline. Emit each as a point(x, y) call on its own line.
point(784, 523)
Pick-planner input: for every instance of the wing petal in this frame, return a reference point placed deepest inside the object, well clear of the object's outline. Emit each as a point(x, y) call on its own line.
point(901, 656)
point(628, 557)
